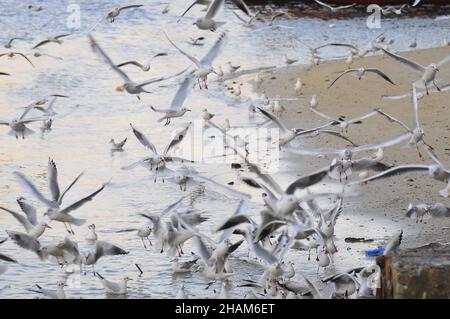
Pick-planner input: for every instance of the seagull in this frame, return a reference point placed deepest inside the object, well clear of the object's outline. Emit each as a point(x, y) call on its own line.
point(18, 125)
point(185, 176)
point(417, 133)
point(207, 22)
point(92, 235)
point(282, 202)
point(328, 219)
point(349, 60)
point(29, 221)
point(413, 44)
point(39, 54)
point(437, 171)
point(314, 102)
point(183, 267)
point(65, 252)
point(287, 135)
point(176, 106)
point(361, 72)
point(115, 147)
point(53, 185)
point(144, 67)
point(437, 210)
point(288, 61)
point(116, 11)
point(157, 160)
point(129, 86)
point(27, 242)
point(8, 45)
point(143, 232)
point(48, 111)
point(59, 293)
point(63, 215)
point(335, 9)
point(204, 66)
point(344, 124)
point(428, 73)
point(348, 152)
point(420, 95)
point(160, 228)
point(298, 86)
point(12, 54)
point(215, 259)
point(55, 212)
point(272, 26)
point(55, 39)
point(101, 249)
point(206, 115)
point(206, 3)
point(181, 294)
point(345, 284)
point(196, 41)
point(247, 23)
point(233, 68)
point(115, 288)
point(239, 3)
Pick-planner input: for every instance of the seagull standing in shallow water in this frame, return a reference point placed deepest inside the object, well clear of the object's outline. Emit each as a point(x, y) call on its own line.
point(115, 288)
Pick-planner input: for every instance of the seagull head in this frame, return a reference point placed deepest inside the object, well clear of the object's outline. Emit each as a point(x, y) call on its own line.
point(62, 284)
point(347, 154)
point(434, 67)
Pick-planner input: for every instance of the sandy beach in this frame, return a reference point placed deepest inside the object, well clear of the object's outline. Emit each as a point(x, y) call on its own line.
point(81, 104)
point(383, 204)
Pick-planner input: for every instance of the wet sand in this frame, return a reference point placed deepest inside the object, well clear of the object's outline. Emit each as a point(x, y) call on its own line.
point(380, 210)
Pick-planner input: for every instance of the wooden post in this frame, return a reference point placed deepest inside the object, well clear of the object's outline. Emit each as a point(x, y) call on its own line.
point(417, 273)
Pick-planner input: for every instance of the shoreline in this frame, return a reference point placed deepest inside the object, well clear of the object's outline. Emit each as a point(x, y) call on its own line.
point(381, 209)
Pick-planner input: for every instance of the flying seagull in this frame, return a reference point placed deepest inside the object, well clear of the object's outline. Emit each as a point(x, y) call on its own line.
point(361, 72)
point(428, 72)
point(334, 9)
point(129, 86)
point(55, 39)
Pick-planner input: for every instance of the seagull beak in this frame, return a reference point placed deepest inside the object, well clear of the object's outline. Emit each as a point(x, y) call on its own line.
point(188, 110)
point(47, 226)
point(120, 88)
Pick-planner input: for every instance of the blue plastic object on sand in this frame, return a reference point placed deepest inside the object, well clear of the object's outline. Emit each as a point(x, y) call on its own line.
point(374, 252)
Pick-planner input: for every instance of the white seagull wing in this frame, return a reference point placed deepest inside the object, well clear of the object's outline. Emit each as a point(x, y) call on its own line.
point(414, 65)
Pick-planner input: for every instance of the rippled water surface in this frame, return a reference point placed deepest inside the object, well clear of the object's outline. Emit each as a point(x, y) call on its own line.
point(95, 113)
